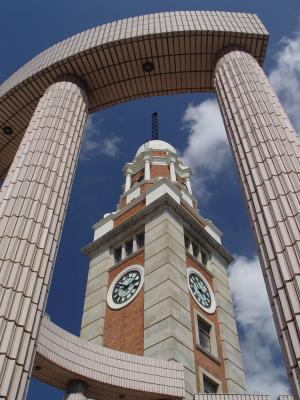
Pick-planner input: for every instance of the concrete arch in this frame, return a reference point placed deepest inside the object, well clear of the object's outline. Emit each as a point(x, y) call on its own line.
point(181, 45)
point(45, 110)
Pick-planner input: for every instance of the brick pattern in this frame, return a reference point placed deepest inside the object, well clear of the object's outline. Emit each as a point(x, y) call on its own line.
point(266, 151)
point(62, 357)
point(34, 200)
point(160, 170)
point(127, 214)
point(124, 328)
point(202, 360)
point(182, 46)
point(285, 397)
point(157, 153)
point(200, 396)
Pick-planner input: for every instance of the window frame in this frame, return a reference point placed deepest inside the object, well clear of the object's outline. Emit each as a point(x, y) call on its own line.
point(204, 334)
point(204, 373)
point(213, 353)
point(207, 380)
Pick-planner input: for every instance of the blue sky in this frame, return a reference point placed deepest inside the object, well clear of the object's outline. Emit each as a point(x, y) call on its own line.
point(192, 124)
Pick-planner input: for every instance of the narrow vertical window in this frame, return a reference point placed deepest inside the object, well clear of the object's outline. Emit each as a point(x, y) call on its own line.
point(141, 177)
point(140, 240)
point(204, 335)
point(118, 254)
point(187, 242)
point(195, 249)
point(209, 385)
point(204, 257)
point(129, 247)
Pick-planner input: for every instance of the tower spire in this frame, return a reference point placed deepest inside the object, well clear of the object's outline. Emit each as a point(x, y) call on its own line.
point(154, 126)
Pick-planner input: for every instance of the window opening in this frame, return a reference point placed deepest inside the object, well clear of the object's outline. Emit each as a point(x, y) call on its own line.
point(140, 240)
point(195, 249)
point(118, 254)
point(204, 258)
point(209, 386)
point(129, 247)
point(204, 334)
point(141, 177)
point(187, 242)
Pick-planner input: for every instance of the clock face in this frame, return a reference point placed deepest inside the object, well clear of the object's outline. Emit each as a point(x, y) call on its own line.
point(125, 287)
point(201, 291)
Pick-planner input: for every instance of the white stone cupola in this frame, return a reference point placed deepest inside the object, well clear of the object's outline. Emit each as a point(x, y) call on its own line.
point(155, 161)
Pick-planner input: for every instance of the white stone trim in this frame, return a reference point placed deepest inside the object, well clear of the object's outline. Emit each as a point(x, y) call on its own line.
point(188, 185)
point(147, 173)
point(134, 267)
point(103, 228)
point(128, 181)
point(159, 192)
point(133, 195)
point(186, 197)
point(202, 372)
point(212, 307)
point(213, 230)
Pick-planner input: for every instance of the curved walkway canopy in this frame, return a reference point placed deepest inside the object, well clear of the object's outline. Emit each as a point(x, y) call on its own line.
point(155, 54)
point(62, 357)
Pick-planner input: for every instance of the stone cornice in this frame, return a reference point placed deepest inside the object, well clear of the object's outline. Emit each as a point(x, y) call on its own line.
point(162, 203)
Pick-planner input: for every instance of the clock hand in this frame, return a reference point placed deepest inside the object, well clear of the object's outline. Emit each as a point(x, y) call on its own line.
point(130, 282)
point(120, 284)
point(200, 288)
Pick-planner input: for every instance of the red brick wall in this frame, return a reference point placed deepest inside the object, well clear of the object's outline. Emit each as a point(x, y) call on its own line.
point(133, 210)
point(159, 170)
point(158, 153)
point(201, 359)
point(124, 328)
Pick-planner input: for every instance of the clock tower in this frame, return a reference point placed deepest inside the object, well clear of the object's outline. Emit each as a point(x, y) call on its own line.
point(157, 281)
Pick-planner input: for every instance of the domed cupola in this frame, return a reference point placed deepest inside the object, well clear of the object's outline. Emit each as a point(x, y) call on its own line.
point(155, 161)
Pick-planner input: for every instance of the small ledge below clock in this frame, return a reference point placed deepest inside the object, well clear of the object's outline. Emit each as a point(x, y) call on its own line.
point(208, 354)
point(126, 259)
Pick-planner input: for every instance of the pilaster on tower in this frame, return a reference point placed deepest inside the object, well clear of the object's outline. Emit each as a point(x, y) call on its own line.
point(157, 283)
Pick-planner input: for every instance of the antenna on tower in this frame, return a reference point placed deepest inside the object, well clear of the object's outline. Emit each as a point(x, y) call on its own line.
point(154, 126)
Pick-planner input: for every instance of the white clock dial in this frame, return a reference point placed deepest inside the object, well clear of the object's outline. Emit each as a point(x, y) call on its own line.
point(201, 290)
point(125, 287)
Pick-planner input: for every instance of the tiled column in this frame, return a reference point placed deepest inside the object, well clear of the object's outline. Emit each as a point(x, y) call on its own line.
point(266, 151)
point(32, 212)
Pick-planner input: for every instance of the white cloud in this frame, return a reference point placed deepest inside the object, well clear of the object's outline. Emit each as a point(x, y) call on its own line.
point(285, 77)
point(94, 144)
point(207, 152)
point(261, 353)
